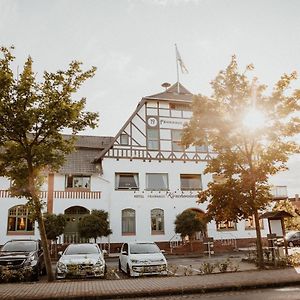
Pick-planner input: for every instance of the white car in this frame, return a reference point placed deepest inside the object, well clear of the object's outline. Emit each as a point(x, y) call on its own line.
point(142, 258)
point(81, 260)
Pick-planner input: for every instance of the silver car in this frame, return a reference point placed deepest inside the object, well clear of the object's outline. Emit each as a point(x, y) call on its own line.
point(142, 258)
point(81, 260)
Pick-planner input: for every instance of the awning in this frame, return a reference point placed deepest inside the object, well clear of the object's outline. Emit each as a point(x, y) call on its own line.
point(276, 215)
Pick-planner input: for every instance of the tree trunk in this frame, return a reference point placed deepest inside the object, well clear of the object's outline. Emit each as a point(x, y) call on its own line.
point(260, 257)
point(38, 214)
point(47, 258)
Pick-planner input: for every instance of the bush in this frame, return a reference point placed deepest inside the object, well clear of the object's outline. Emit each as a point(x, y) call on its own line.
point(8, 275)
point(207, 268)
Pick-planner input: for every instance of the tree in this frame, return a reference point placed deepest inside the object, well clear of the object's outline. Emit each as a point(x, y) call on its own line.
point(32, 116)
point(54, 226)
point(94, 225)
point(245, 150)
point(290, 223)
point(188, 223)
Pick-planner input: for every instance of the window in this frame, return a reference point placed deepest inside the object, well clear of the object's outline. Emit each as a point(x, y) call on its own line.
point(157, 221)
point(190, 182)
point(226, 225)
point(19, 219)
point(127, 181)
point(250, 223)
point(124, 139)
point(128, 221)
point(176, 140)
point(157, 181)
point(183, 107)
point(152, 139)
point(78, 182)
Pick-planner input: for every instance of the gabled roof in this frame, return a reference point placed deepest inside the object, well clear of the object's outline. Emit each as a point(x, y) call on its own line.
point(175, 92)
point(87, 149)
point(276, 215)
point(88, 141)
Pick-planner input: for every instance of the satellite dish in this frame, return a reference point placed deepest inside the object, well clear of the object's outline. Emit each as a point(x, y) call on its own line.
point(166, 85)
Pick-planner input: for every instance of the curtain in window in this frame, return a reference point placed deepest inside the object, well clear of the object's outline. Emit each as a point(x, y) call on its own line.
point(157, 181)
point(128, 221)
point(18, 219)
point(157, 220)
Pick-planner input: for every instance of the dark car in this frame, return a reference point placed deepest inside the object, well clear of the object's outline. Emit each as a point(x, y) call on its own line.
point(292, 238)
point(19, 254)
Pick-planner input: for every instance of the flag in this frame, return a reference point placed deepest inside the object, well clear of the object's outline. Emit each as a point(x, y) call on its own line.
point(179, 59)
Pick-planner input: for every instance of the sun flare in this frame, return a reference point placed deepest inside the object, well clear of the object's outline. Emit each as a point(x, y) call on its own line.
point(254, 119)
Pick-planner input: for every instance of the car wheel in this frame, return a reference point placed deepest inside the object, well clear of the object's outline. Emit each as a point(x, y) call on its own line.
point(35, 275)
point(291, 244)
point(128, 271)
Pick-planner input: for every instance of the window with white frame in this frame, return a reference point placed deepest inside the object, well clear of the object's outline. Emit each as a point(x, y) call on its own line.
point(152, 139)
point(127, 181)
point(128, 221)
point(176, 140)
point(226, 225)
point(190, 182)
point(250, 223)
point(78, 181)
point(124, 139)
point(157, 181)
point(157, 221)
point(19, 220)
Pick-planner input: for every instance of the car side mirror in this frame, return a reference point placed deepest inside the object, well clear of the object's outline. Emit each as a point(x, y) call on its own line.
point(59, 253)
point(163, 251)
point(104, 252)
point(124, 252)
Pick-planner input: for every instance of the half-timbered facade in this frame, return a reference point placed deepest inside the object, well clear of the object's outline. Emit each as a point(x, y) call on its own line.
point(143, 177)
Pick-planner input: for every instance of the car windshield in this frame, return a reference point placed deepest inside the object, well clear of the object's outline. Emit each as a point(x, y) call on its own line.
point(82, 249)
point(291, 234)
point(144, 248)
point(20, 246)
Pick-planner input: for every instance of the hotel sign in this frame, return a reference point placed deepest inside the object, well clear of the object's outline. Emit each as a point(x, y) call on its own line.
point(173, 123)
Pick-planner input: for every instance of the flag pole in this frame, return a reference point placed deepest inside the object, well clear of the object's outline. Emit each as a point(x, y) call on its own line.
point(176, 56)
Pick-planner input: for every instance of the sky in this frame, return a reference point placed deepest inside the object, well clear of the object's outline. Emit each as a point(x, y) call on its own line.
point(131, 42)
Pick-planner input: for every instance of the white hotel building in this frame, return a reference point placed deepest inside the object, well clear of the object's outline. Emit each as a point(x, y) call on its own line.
point(142, 177)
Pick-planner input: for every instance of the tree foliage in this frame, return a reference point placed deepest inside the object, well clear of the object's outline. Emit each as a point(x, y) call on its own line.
point(94, 225)
point(242, 157)
point(188, 223)
point(290, 223)
point(54, 225)
point(32, 116)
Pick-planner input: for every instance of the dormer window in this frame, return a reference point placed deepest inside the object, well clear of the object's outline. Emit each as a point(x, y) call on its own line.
point(78, 182)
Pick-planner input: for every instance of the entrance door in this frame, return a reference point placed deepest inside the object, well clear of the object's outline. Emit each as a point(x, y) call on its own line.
point(73, 215)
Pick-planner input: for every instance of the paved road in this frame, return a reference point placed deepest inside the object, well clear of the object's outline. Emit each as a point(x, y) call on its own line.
point(286, 293)
point(180, 266)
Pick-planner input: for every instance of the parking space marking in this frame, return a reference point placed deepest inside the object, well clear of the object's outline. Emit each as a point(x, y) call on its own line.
point(189, 267)
point(117, 276)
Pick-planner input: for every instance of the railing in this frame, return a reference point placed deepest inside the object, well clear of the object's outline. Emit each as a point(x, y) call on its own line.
point(60, 194)
point(76, 195)
point(175, 241)
point(7, 194)
point(74, 237)
point(227, 239)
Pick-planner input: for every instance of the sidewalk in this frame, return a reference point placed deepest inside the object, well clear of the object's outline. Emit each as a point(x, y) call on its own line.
point(149, 286)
